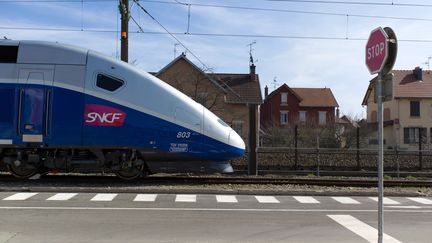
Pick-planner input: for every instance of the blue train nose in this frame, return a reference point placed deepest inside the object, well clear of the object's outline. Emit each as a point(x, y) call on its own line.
point(237, 143)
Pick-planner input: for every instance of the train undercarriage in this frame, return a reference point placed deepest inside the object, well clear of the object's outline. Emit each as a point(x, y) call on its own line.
point(25, 163)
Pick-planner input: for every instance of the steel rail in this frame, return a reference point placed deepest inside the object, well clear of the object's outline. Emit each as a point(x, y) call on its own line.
point(93, 180)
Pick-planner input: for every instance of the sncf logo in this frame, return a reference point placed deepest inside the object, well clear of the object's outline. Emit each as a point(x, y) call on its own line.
point(100, 115)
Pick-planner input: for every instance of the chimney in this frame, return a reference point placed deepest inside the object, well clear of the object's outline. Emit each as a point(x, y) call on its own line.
point(252, 72)
point(266, 92)
point(418, 73)
point(337, 112)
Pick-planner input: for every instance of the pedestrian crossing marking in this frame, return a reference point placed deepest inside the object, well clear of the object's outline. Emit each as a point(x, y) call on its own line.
point(386, 201)
point(62, 196)
point(421, 200)
point(360, 228)
point(21, 196)
point(185, 198)
point(104, 197)
point(226, 199)
point(346, 200)
point(404, 207)
point(145, 198)
point(404, 203)
point(304, 199)
point(266, 199)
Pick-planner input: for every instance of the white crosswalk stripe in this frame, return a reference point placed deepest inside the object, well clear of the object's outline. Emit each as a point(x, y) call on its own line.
point(421, 200)
point(304, 199)
point(145, 198)
point(363, 230)
point(104, 197)
point(185, 198)
point(386, 201)
point(62, 196)
point(266, 199)
point(20, 196)
point(404, 207)
point(226, 199)
point(346, 200)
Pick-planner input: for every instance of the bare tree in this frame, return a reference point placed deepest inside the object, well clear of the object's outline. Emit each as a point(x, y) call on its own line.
point(199, 87)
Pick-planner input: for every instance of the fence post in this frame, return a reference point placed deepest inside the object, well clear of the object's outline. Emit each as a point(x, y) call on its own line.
point(318, 157)
point(295, 147)
point(397, 161)
point(358, 148)
point(420, 149)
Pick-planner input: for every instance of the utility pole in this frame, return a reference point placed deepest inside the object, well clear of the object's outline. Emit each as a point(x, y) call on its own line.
point(124, 11)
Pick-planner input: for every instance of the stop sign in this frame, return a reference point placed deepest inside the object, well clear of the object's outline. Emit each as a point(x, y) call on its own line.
point(376, 50)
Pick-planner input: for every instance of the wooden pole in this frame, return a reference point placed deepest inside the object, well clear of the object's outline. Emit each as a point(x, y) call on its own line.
point(124, 11)
point(253, 166)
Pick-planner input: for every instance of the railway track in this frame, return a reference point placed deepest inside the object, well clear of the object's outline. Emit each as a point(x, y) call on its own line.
point(111, 181)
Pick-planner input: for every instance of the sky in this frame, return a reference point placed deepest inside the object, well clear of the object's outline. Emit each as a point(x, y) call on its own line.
point(300, 43)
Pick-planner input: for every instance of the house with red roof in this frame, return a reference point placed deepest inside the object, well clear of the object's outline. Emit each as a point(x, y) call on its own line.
point(286, 106)
point(229, 95)
point(408, 113)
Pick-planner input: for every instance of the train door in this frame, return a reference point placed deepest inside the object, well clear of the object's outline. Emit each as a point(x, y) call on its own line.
point(34, 104)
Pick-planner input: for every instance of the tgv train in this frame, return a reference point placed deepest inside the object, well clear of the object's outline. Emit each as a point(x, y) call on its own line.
point(67, 109)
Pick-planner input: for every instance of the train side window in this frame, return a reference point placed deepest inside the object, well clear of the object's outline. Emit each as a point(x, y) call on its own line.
point(8, 54)
point(108, 83)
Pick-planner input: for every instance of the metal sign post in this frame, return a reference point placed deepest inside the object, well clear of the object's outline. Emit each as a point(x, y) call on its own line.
point(380, 159)
point(381, 50)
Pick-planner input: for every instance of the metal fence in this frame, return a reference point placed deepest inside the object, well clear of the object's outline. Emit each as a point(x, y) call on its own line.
point(336, 159)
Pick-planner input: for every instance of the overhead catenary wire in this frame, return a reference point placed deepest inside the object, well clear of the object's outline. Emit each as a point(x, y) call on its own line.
point(236, 7)
point(185, 47)
point(171, 34)
point(337, 38)
point(392, 3)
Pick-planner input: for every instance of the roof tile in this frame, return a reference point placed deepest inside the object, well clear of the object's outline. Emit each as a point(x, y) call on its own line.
point(316, 97)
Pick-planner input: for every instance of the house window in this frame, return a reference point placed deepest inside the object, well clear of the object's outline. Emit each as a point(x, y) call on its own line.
point(415, 108)
point(411, 135)
point(237, 125)
point(302, 116)
point(283, 117)
point(374, 141)
point(284, 98)
point(387, 114)
point(322, 117)
point(373, 116)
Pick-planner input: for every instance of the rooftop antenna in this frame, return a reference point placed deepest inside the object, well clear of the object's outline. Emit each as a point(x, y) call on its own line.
point(251, 60)
point(175, 49)
point(428, 62)
point(274, 83)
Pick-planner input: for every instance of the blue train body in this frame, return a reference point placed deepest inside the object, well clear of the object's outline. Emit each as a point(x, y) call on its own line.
point(73, 109)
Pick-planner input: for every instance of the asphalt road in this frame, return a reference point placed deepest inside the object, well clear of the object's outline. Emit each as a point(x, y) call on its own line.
point(93, 217)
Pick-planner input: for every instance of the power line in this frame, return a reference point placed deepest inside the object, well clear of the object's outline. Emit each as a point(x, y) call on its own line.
point(184, 46)
point(355, 3)
point(253, 8)
point(53, 1)
point(330, 38)
point(172, 35)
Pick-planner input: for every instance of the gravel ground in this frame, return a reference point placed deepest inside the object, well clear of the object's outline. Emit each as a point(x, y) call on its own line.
point(140, 186)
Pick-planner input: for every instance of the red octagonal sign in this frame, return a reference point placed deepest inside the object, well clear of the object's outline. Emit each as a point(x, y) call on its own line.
point(376, 50)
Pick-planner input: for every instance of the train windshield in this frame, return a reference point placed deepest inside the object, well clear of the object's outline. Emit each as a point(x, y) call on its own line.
point(222, 122)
